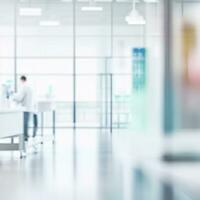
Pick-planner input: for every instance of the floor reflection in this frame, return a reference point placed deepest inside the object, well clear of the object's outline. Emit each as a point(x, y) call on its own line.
point(81, 165)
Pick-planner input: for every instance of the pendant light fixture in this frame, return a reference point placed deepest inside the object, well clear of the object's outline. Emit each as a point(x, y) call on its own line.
point(134, 17)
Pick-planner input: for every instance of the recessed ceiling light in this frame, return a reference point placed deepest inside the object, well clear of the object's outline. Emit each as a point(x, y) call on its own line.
point(91, 8)
point(30, 11)
point(151, 1)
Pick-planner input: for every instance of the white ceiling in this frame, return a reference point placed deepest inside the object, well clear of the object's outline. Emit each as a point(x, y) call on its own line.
point(62, 10)
point(61, 1)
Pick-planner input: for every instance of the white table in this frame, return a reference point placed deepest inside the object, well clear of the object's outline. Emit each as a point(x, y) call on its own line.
point(11, 126)
point(47, 106)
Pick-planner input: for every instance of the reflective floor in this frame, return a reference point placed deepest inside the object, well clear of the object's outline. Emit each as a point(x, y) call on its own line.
point(81, 165)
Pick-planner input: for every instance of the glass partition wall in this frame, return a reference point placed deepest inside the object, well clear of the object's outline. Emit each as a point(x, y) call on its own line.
point(83, 60)
point(7, 47)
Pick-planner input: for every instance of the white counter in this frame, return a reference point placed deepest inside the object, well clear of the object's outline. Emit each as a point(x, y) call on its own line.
point(45, 106)
point(11, 122)
point(11, 125)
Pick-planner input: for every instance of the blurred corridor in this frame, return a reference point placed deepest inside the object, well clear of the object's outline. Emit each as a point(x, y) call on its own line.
point(115, 94)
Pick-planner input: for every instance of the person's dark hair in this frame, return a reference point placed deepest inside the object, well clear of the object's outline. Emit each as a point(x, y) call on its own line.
point(23, 78)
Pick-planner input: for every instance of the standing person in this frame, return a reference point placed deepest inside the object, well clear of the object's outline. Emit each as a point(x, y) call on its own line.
point(25, 98)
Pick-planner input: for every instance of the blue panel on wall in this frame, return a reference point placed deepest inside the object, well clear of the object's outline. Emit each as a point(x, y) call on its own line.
point(139, 67)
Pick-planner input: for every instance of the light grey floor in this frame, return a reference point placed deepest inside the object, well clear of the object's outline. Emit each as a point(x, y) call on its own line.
point(81, 165)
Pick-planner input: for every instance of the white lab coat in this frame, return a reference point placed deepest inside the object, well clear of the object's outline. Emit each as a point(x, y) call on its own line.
point(25, 98)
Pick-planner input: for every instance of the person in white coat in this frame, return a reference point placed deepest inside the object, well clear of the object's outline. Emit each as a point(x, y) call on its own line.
point(25, 98)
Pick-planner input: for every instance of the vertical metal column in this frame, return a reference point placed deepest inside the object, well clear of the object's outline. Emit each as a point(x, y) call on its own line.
point(111, 103)
point(54, 124)
point(15, 45)
point(168, 92)
point(106, 93)
point(74, 64)
point(144, 27)
point(182, 8)
point(42, 127)
point(101, 86)
point(111, 29)
point(111, 76)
